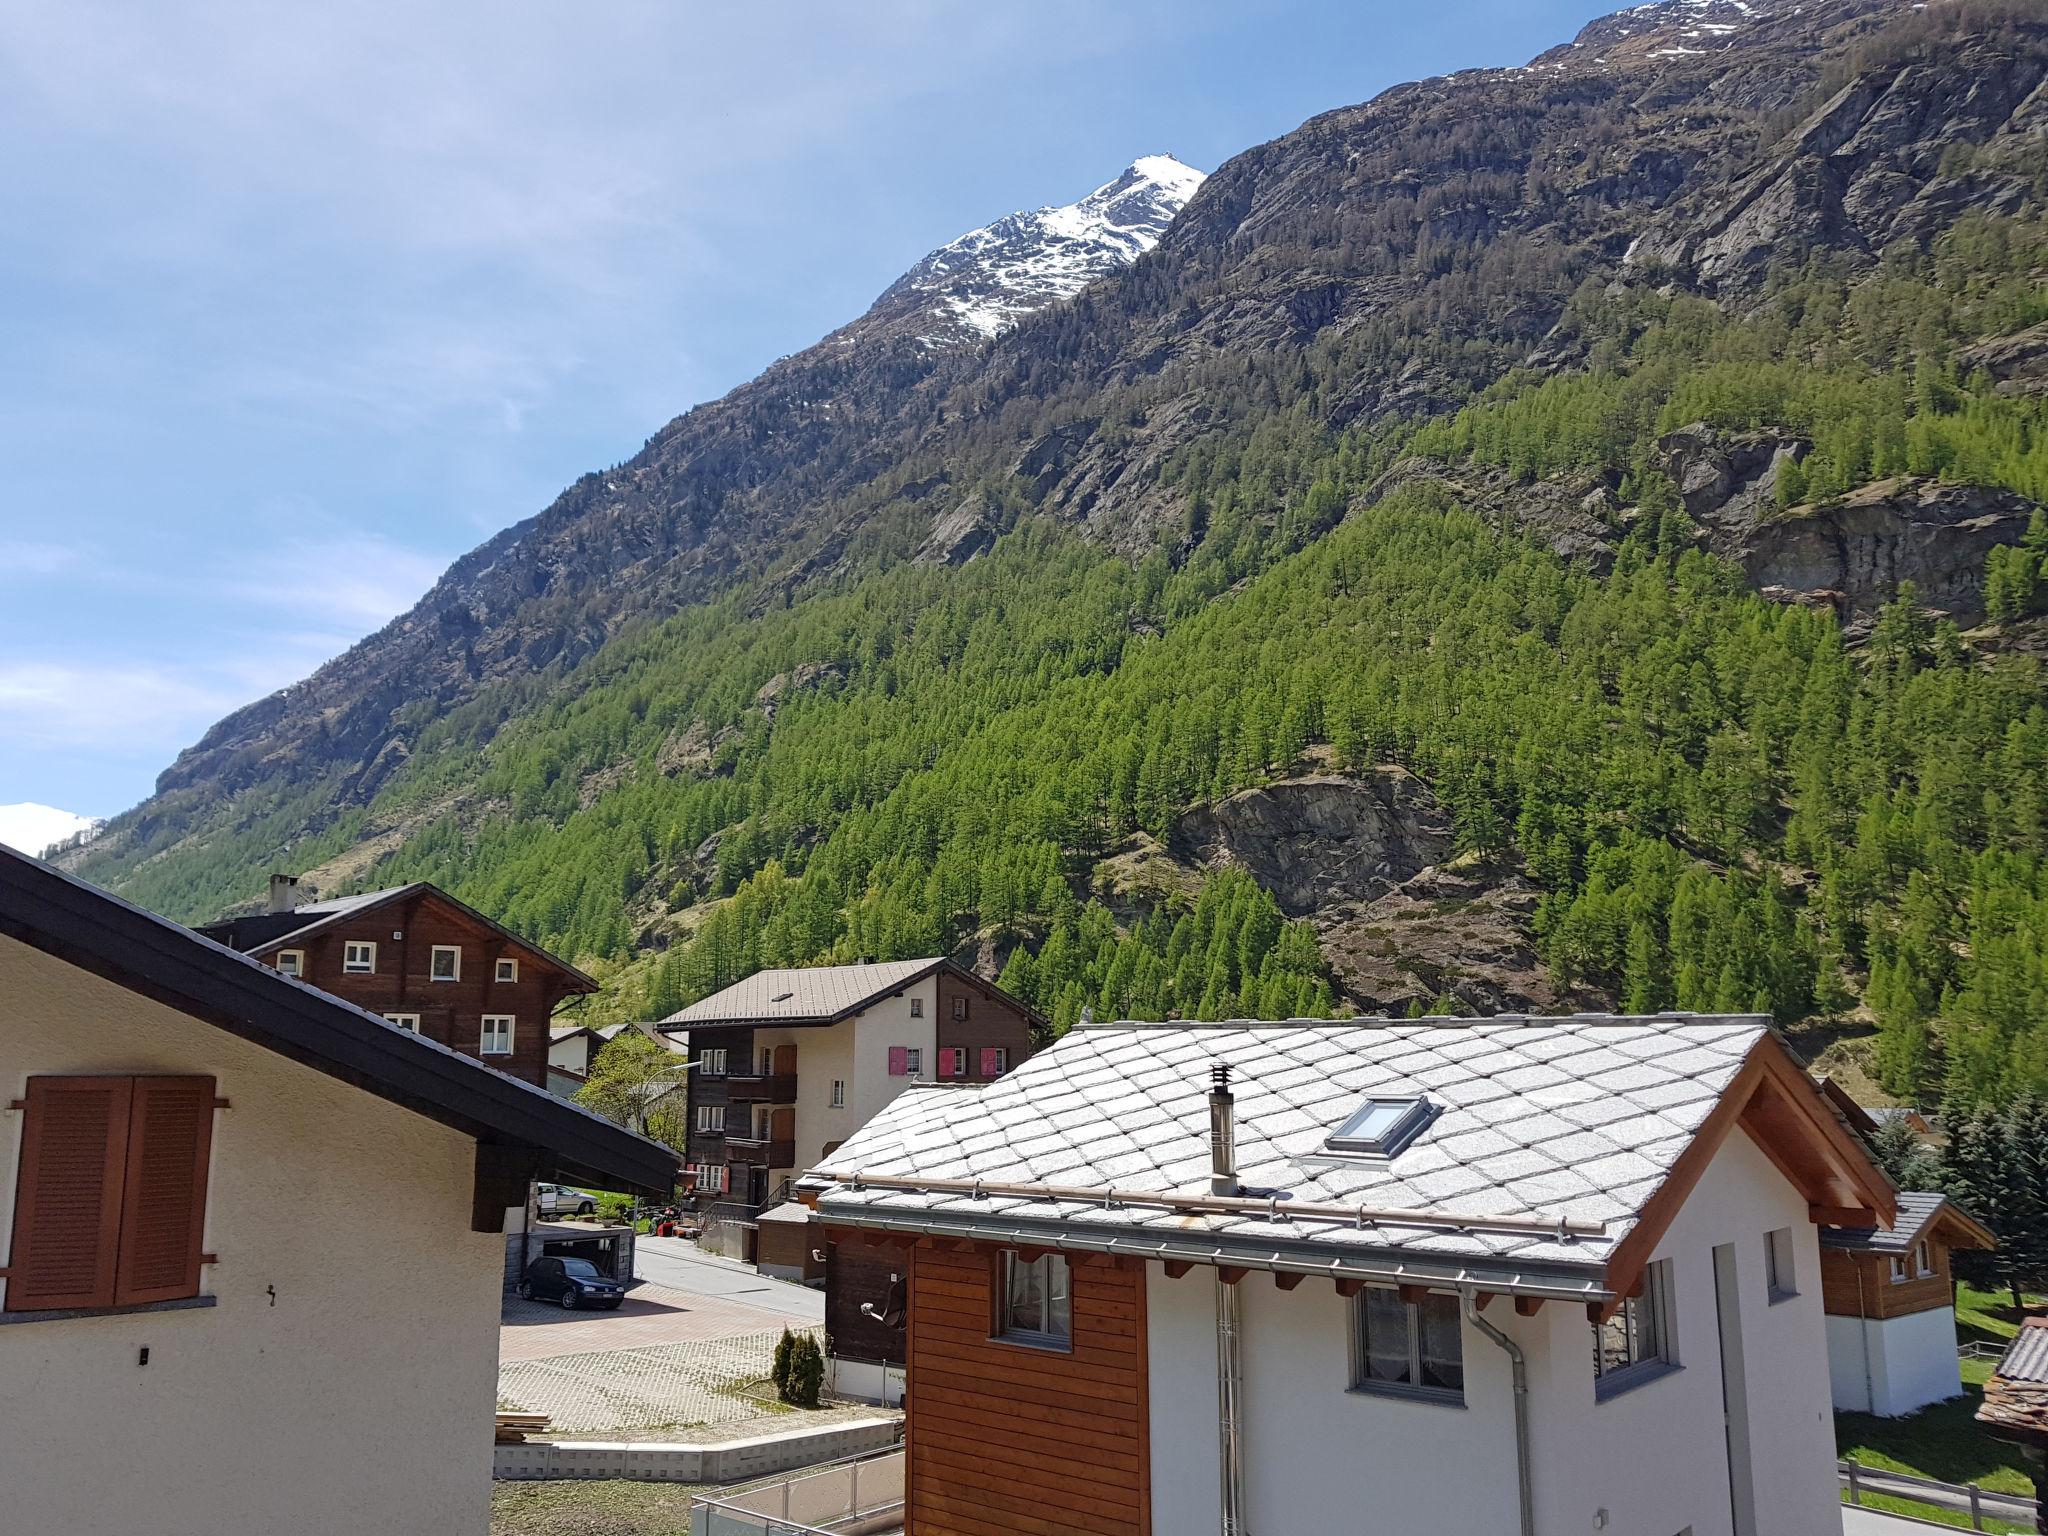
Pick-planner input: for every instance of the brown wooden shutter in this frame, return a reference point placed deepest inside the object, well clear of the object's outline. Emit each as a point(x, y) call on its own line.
point(67, 1198)
point(163, 1202)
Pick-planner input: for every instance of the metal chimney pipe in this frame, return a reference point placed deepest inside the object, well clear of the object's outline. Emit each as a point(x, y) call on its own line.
point(1222, 1134)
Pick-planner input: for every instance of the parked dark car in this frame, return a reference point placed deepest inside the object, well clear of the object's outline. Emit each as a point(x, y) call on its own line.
point(573, 1282)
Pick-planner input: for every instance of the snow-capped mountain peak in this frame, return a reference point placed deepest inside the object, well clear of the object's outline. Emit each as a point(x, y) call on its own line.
point(979, 285)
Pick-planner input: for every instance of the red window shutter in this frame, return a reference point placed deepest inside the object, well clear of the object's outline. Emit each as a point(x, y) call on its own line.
point(899, 1060)
point(991, 1061)
point(947, 1059)
point(163, 1203)
point(67, 1200)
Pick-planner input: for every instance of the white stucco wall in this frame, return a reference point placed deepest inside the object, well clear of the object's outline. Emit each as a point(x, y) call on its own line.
point(856, 1052)
point(1894, 1366)
point(1318, 1455)
point(1652, 1457)
point(359, 1400)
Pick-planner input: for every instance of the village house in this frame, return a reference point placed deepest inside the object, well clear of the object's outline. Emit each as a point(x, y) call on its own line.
point(1890, 1304)
point(254, 1237)
point(1513, 1274)
point(789, 1063)
point(424, 961)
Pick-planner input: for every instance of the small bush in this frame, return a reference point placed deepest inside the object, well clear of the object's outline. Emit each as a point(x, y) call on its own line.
point(806, 1373)
point(615, 1208)
point(785, 1349)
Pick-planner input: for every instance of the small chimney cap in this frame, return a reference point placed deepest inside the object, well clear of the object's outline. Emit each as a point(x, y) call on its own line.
point(1219, 1077)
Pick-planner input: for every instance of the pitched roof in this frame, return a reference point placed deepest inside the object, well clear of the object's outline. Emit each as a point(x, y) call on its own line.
point(259, 933)
point(99, 932)
point(1551, 1139)
point(814, 994)
point(2016, 1395)
point(1919, 1210)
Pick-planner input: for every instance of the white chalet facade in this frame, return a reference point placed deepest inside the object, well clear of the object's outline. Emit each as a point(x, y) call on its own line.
point(1328, 1307)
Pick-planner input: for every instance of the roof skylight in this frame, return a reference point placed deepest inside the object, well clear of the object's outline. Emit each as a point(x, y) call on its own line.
point(1381, 1127)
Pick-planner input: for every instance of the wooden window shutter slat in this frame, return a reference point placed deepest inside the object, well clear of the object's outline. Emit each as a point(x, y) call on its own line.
point(67, 1198)
point(163, 1204)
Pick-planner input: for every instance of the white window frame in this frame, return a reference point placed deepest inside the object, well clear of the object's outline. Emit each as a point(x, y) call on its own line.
point(913, 1060)
point(1648, 1324)
point(838, 1093)
point(917, 1007)
point(486, 1033)
point(359, 957)
point(1362, 1379)
point(711, 1119)
point(1058, 1308)
point(1781, 1273)
point(960, 1009)
point(507, 968)
point(434, 963)
point(405, 1021)
point(1002, 1059)
point(711, 1062)
point(298, 962)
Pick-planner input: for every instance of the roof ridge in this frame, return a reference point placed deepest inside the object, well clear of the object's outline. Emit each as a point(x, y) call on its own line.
point(1436, 1020)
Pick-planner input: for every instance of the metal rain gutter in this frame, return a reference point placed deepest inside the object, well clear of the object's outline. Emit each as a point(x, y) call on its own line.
point(1068, 1237)
point(1520, 1368)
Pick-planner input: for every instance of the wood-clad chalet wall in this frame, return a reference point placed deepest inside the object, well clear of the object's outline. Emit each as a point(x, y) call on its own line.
point(974, 1015)
point(1881, 1297)
point(1010, 1440)
point(449, 1011)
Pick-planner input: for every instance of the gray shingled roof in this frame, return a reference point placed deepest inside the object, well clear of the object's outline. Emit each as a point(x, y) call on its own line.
point(347, 903)
point(1576, 1119)
point(804, 994)
point(2026, 1358)
point(1917, 1207)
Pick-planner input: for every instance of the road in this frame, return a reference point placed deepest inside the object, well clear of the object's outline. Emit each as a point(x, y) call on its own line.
point(678, 1264)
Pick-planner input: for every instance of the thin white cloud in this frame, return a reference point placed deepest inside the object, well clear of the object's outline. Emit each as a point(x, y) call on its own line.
point(23, 557)
point(356, 582)
point(56, 704)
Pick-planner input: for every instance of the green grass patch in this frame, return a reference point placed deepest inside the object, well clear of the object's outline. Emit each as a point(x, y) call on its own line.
point(1988, 1315)
point(1933, 1512)
point(1942, 1441)
point(596, 1508)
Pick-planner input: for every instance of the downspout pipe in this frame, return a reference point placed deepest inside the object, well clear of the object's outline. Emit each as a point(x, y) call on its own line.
point(1230, 1404)
point(1520, 1368)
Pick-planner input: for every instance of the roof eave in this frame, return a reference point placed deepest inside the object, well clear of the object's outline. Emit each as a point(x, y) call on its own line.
point(1387, 1266)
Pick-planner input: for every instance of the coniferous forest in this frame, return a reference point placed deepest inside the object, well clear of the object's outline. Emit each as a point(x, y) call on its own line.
point(1725, 802)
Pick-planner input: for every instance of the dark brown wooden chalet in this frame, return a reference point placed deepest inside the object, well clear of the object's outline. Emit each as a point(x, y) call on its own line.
point(423, 960)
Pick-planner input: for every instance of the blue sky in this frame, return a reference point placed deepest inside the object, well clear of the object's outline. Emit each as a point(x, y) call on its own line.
point(298, 303)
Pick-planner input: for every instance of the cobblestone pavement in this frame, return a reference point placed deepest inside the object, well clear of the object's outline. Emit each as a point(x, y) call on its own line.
point(656, 1387)
point(650, 1315)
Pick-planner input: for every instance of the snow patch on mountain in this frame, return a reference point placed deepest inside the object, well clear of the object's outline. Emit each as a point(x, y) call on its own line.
point(981, 284)
point(30, 828)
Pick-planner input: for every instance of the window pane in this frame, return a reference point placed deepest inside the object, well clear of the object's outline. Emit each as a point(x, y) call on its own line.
point(1443, 1354)
point(1059, 1302)
point(1649, 1316)
point(1386, 1336)
point(1027, 1296)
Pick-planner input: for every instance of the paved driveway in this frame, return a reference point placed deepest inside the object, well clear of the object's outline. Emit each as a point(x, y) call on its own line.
point(650, 1315)
point(679, 1264)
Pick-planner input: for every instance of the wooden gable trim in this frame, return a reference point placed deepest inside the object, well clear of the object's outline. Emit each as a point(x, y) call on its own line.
point(1779, 1108)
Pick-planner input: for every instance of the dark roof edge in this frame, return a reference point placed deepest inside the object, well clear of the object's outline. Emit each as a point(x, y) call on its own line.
point(99, 932)
point(402, 893)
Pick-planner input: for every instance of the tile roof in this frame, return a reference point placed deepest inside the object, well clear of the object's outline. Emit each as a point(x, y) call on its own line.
point(1917, 1208)
point(1539, 1120)
point(2016, 1396)
point(803, 994)
point(340, 904)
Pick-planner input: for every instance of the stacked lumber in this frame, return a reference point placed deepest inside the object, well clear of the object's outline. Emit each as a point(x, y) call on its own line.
point(513, 1428)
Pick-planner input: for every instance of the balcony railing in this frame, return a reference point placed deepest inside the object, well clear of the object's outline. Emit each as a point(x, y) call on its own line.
point(760, 1152)
point(759, 1088)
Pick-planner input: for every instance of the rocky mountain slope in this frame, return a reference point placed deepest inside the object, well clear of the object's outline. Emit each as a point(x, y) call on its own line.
point(1605, 300)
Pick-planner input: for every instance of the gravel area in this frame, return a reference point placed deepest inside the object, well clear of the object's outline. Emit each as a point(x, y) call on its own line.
point(634, 1393)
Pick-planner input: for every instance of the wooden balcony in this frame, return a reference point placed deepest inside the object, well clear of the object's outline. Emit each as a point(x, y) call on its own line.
point(750, 1152)
point(756, 1088)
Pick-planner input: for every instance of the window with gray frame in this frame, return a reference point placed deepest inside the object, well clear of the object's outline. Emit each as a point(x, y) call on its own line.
point(1778, 1264)
point(1407, 1348)
point(1637, 1343)
point(1037, 1305)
